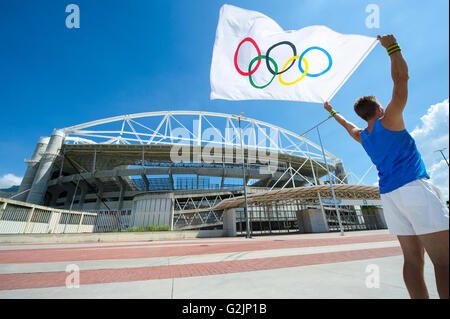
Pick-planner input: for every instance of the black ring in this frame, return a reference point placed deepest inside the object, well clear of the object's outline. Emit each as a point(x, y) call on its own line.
point(294, 49)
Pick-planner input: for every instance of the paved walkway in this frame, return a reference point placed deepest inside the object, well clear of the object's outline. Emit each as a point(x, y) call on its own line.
point(358, 265)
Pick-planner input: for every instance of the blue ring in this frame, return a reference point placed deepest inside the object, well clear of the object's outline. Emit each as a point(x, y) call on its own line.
point(330, 61)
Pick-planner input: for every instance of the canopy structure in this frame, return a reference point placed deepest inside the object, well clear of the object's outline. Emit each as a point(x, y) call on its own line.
point(342, 191)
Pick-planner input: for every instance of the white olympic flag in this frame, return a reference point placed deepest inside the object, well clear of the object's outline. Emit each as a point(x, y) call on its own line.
point(254, 59)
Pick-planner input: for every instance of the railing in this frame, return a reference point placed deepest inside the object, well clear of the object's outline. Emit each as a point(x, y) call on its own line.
point(112, 221)
point(24, 218)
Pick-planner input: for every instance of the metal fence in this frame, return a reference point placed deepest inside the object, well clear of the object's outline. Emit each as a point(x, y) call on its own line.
point(114, 220)
point(354, 221)
point(277, 218)
point(280, 217)
point(23, 218)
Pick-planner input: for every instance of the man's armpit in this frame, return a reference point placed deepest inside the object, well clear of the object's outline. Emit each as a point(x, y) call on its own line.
point(356, 134)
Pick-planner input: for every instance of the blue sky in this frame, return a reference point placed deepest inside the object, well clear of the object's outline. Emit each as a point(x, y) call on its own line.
point(139, 56)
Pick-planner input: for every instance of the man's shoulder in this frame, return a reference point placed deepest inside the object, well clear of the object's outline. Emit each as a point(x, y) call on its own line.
point(392, 123)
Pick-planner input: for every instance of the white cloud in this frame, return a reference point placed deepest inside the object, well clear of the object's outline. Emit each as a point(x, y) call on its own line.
point(432, 134)
point(436, 117)
point(9, 180)
point(439, 177)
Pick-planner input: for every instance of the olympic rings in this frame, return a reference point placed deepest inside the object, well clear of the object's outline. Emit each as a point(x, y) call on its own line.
point(236, 55)
point(286, 67)
point(294, 50)
point(330, 61)
point(258, 58)
point(300, 78)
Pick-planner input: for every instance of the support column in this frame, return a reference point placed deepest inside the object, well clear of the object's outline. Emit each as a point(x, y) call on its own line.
point(44, 171)
point(54, 198)
point(30, 173)
point(71, 195)
point(172, 187)
point(100, 188)
point(84, 190)
point(229, 222)
point(123, 188)
point(146, 182)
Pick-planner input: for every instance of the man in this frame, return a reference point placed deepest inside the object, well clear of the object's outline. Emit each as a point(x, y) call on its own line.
point(411, 205)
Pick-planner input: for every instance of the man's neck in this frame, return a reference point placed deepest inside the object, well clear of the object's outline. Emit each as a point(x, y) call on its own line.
point(370, 124)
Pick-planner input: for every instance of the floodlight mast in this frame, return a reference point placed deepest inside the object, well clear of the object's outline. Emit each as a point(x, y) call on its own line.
point(442, 153)
point(247, 219)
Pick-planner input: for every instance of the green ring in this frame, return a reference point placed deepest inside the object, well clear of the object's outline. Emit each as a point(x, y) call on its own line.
point(250, 67)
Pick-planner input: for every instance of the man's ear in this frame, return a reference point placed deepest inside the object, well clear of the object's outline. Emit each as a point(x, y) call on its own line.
point(380, 110)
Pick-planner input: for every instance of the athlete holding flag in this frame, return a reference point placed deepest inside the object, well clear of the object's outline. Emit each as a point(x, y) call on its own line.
point(412, 207)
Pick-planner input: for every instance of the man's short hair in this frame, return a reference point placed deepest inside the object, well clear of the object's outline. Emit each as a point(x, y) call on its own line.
point(366, 107)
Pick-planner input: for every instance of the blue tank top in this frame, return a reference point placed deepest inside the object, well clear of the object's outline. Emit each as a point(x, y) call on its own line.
point(395, 155)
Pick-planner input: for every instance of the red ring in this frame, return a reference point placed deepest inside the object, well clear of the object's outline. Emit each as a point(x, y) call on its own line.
point(236, 54)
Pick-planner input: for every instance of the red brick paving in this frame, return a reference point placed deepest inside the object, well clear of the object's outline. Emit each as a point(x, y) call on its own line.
point(111, 252)
point(131, 242)
point(96, 245)
point(57, 279)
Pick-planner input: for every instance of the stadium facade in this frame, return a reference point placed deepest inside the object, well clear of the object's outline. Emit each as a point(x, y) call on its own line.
point(176, 167)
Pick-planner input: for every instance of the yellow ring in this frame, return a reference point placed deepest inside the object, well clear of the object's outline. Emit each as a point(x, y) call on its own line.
point(287, 63)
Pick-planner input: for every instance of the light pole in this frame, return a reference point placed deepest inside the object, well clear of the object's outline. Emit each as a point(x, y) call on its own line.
point(331, 184)
point(441, 151)
point(247, 219)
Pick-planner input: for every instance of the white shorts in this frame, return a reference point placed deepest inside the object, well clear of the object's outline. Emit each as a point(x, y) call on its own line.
point(415, 209)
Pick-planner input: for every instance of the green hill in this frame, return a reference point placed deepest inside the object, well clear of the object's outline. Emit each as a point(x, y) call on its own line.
point(8, 192)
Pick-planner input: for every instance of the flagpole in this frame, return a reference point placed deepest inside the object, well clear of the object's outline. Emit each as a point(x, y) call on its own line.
point(328, 171)
point(317, 125)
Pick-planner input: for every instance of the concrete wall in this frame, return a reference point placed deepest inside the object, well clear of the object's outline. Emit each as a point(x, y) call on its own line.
point(152, 209)
point(109, 237)
point(312, 221)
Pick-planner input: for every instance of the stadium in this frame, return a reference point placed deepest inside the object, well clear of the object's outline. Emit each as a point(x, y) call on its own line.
point(185, 170)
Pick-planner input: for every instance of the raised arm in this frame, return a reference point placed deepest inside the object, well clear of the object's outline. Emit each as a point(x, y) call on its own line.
point(351, 128)
point(393, 118)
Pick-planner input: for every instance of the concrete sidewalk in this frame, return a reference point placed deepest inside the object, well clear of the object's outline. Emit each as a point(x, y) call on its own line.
point(359, 265)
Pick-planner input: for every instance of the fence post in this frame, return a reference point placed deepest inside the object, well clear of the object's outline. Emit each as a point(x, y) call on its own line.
point(2, 209)
point(57, 222)
point(30, 215)
point(49, 222)
point(79, 224)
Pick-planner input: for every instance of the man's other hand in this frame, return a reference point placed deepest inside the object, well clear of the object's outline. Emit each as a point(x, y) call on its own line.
point(386, 40)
